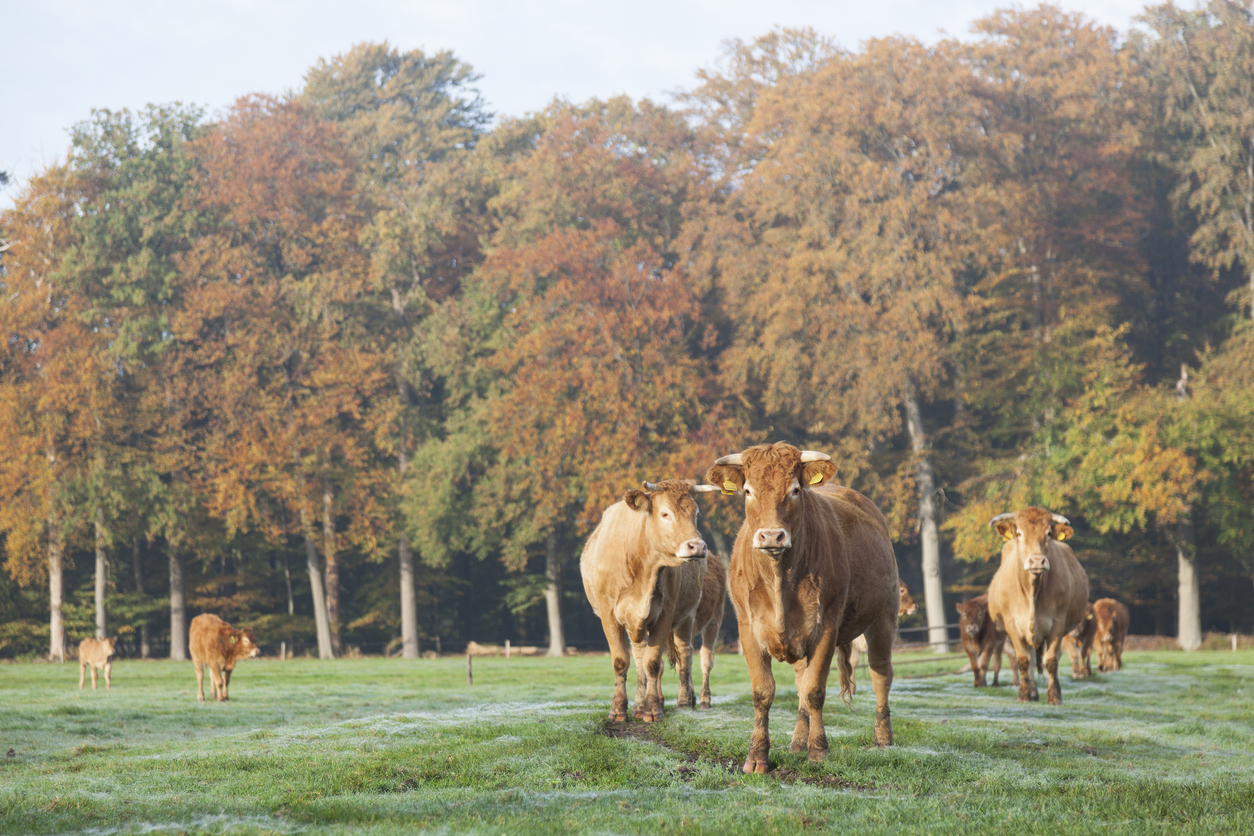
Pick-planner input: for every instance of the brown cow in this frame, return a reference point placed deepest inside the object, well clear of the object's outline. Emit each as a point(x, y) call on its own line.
point(1039, 593)
point(95, 653)
point(218, 645)
point(1112, 626)
point(982, 641)
point(812, 569)
point(1079, 644)
point(907, 607)
point(709, 619)
point(643, 567)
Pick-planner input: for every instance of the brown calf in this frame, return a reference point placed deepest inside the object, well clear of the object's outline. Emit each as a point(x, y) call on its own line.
point(981, 639)
point(643, 568)
point(95, 653)
point(709, 618)
point(1079, 644)
point(1112, 626)
point(812, 569)
point(218, 646)
point(1039, 593)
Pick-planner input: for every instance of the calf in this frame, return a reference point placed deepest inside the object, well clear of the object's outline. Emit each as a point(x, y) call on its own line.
point(1112, 626)
point(812, 569)
point(709, 619)
point(1079, 644)
point(95, 653)
point(643, 568)
point(981, 639)
point(1039, 593)
point(218, 646)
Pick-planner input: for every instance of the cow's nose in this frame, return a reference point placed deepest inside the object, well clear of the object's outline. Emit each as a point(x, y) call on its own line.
point(1036, 563)
point(692, 548)
point(771, 539)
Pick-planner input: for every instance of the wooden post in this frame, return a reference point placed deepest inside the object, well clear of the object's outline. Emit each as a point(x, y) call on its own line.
point(507, 648)
point(470, 677)
point(1234, 642)
point(283, 651)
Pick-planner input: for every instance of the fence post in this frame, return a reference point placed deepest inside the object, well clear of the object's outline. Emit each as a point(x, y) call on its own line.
point(470, 679)
point(507, 648)
point(283, 651)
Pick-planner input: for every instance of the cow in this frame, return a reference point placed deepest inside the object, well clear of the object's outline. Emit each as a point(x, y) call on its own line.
point(1039, 593)
point(1079, 644)
point(812, 569)
point(218, 646)
point(907, 607)
point(1112, 626)
point(643, 568)
point(982, 641)
point(709, 619)
point(94, 654)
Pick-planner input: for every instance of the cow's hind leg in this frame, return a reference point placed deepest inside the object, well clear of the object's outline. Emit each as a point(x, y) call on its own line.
point(880, 638)
point(1054, 694)
point(200, 679)
point(708, 637)
point(1073, 650)
point(681, 638)
point(620, 656)
point(82, 674)
point(94, 673)
point(108, 676)
point(801, 732)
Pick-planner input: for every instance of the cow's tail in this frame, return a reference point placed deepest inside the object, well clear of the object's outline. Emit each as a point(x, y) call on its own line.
point(672, 652)
point(845, 670)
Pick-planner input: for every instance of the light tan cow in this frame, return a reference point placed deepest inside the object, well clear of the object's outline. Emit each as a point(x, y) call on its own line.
point(907, 607)
point(643, 568)
point(1040, 592)
point(812, 569)
point(1112, 627)
point(218, 646)
point(709, 618)
point(94, 654)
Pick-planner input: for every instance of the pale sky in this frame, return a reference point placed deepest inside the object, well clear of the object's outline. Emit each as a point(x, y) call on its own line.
point(61, 58)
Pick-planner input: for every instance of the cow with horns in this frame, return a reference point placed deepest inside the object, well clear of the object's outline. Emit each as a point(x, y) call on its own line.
point(643, 567)
point(812, 569)
point(1040, 592)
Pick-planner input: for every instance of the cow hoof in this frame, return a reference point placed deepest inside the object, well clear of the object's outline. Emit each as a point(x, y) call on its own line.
point(1055, 699)
point(618, 718)
point(797, 746)
point(817, 755)
point(758, 767)
point(705, 703)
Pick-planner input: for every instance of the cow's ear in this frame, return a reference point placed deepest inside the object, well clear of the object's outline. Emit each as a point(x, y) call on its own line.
point(962, 609)
point(729, 477)
point(816, 473)
point(234, 640)
point(1006, 528)
point(637, 500)
point(1062, 531)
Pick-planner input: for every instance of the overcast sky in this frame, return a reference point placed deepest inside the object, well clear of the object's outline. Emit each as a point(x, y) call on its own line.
point(61, 58)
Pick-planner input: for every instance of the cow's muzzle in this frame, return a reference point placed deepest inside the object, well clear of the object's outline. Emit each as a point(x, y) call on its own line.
point(1036, 564)
point(773, 541)
point(692, 549)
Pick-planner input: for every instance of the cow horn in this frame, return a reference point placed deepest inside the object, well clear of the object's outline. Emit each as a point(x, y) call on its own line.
point(814, 456)
point(995, 520)
point(705, 488)
point(649, 486)
point(736, 459)
point(1059, 518)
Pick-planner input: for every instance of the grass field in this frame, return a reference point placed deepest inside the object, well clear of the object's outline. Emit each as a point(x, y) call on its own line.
point(383, 746)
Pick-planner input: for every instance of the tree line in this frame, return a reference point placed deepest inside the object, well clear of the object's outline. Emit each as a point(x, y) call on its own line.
point(359, 366)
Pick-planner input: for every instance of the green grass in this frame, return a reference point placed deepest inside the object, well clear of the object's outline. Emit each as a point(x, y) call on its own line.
point(384, 746)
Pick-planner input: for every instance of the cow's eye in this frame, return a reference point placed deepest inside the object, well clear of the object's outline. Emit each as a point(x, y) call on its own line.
point(665, 516)
point(796, 490)
point(747, 491)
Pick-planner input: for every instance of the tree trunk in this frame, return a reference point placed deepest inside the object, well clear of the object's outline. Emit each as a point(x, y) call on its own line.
point(178, 608)
point(145, 646)
point(409, 602)
point(287, 576)
point(102, 577)
point(332, 572)
point(933, 591)
point(552, 596)
point(321, 620)
point(1189, 626)
point(56, 650)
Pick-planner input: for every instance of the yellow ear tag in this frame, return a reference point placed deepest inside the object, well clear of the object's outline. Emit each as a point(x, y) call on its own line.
point(233, 640)
point(1088, 617)
point(1007, 536)
point(816, 478)
point(729, 488)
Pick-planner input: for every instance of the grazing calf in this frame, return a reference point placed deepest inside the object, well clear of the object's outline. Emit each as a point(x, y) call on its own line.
point(812, 569)
point(643, 567)
point(1079, 644)
point(95, 653)
point(709, 619)
point(218, 646)
point(907, 607)
point(1039, 593)
point(982, 641)
point(1112, 626)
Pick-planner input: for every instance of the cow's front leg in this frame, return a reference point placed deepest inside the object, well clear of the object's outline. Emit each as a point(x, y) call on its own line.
point(682, 637)
point(649, 657)
point(707, 665)
point(638, 646)
point(82, 675)
point(616, 636)
point(95, 672)
point(1054, 694)
point(108, 676)
point(1024, 664)
point(200, 680)
point(762, 684)
point(801, 731)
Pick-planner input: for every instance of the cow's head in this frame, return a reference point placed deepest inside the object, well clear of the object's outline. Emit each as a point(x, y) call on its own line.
point(774, 478)
point(671, 522)
point(109, 644)
point(971, 616)
point(246, 642)
point(908, 606)
point(1028, 532)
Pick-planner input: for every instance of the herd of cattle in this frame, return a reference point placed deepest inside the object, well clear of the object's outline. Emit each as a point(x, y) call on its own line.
point(812, 575)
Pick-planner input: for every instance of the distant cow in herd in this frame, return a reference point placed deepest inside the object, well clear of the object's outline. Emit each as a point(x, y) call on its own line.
point(94, 654)
point(1112, 627)
point(1039, 594)
point(218, 646)
point(812, 569)
point(1079, 644)
point(982, 641)
point(644, 568)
